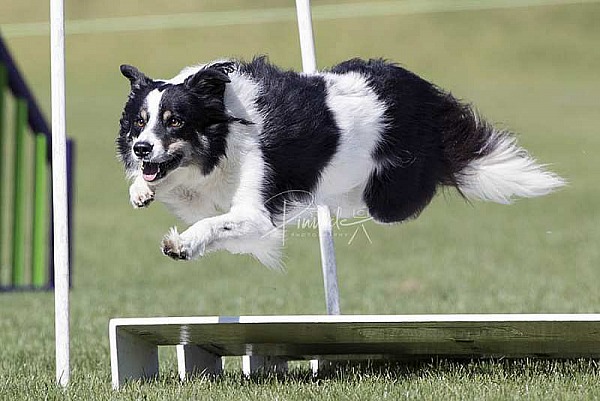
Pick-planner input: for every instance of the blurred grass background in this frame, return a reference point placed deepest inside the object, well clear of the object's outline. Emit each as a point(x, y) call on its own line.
point(533, 70)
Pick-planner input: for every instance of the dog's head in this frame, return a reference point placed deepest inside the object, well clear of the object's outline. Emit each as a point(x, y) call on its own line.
point(166, 126)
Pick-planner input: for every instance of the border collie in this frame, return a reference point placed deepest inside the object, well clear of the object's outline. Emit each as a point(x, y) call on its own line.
point(229, 145)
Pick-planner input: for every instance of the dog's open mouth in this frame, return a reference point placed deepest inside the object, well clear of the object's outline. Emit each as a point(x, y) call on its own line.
point(155, 171)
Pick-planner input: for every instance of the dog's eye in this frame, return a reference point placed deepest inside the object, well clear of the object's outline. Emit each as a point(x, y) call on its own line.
point(175, 122)
point(140, 122)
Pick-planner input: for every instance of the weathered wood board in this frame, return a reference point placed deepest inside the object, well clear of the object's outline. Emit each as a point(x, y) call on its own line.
point(348, 337)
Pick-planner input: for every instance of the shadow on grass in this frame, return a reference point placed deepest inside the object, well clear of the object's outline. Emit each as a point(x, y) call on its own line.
point(392, 371)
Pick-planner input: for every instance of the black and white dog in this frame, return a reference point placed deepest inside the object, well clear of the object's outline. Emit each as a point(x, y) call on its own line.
point(228, 145)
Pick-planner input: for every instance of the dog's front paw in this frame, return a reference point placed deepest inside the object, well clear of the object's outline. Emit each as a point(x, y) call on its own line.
point(172, 246)
point(140, 196)
point(179, 247)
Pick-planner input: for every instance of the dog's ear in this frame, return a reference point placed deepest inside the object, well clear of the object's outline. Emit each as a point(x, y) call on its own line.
point(207, 81)
point(135, 76)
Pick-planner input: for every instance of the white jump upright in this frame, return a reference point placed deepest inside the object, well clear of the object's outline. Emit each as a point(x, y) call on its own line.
point(59, 191)
point(307, 39)
point(250, 363)
point(328, 263)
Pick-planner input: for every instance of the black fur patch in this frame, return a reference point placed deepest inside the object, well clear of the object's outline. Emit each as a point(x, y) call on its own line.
point(199, 103)
point(430, 137)
point(299, 135)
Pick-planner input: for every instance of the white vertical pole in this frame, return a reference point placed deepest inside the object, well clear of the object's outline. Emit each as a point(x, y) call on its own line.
point(59, 191)
point(307, 41)
point(309, 65)
point(330, 282)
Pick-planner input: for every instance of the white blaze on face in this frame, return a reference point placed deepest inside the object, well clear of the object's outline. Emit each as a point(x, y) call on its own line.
point(150, 113)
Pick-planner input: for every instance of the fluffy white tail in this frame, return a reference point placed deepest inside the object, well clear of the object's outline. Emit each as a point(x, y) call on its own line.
point(506, 171)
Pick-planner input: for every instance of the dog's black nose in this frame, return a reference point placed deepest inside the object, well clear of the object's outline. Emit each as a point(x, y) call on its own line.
point(142, 149)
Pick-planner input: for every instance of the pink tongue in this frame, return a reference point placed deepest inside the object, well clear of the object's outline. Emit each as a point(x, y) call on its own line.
point(150, 171)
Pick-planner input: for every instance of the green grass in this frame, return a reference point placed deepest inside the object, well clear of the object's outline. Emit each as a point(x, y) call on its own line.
point(532, 70)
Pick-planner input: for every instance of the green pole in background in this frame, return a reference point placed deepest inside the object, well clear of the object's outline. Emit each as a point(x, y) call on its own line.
point(18, 249)
point(3, 85)
point(38, 263)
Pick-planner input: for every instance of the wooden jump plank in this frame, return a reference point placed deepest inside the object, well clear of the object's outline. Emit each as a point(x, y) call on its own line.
point(347, 337)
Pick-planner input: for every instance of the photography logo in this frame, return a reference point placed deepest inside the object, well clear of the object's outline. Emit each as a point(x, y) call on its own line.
point(299, 219)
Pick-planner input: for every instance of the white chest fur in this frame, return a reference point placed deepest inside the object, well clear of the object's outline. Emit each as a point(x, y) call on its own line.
point(192, 197)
